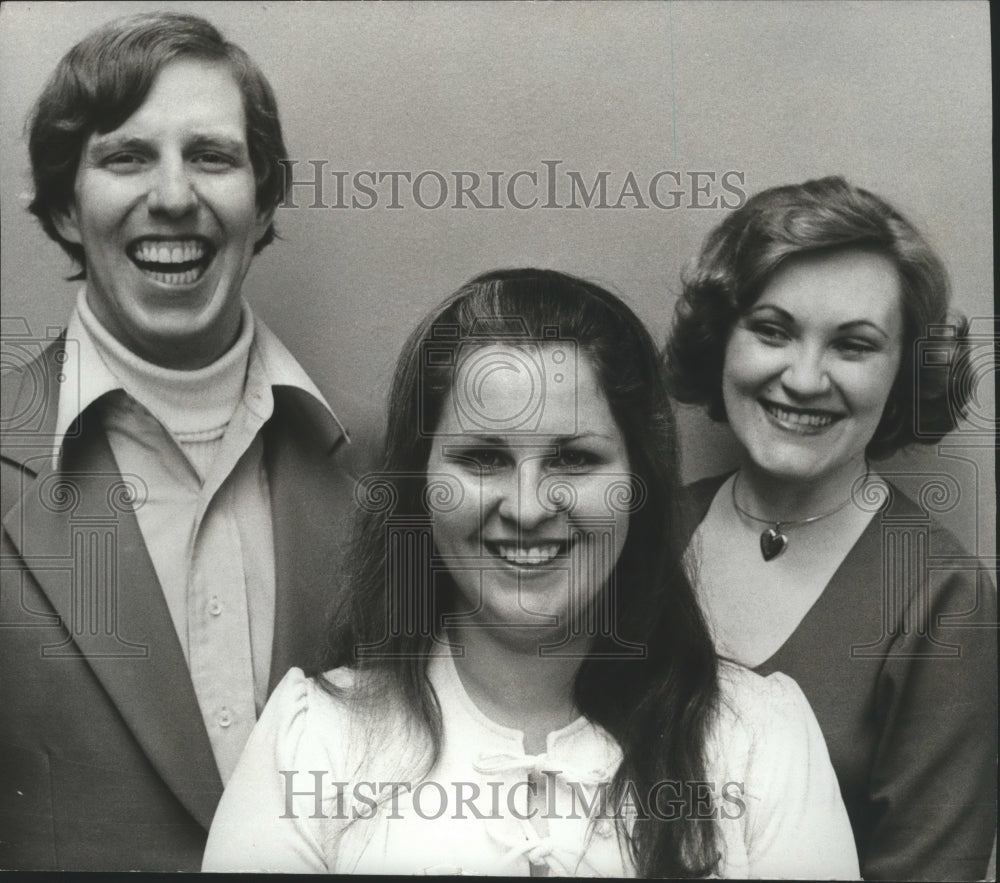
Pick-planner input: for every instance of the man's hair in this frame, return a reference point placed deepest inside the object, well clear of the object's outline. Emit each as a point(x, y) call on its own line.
point(106, 77)
point(742, 255)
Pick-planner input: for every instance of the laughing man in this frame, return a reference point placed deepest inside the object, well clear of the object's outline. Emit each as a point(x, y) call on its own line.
point(175, 488)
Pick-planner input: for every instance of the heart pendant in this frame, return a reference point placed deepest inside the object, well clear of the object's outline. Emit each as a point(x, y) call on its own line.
point(772, 543)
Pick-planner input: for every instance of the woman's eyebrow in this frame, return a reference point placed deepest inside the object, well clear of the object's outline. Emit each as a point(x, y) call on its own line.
point(470, 438)
point(581, 436)
point(843, 326)
point(525, 439)
point(864, 323)
point(772, 308)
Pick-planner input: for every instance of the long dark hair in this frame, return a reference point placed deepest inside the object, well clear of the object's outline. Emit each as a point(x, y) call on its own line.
point(659, 706)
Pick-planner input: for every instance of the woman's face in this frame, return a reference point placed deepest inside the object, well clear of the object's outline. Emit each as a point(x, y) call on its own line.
point(809, 367)
point(534, 462)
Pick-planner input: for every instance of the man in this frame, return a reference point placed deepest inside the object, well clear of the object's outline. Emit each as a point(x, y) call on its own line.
point(175, 489)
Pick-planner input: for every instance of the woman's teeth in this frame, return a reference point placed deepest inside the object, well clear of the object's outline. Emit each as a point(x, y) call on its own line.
point(171, 263)
point(528, 556)
point(808, 419)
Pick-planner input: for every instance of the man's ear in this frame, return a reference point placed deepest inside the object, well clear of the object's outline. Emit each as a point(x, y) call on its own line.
point(66, 223)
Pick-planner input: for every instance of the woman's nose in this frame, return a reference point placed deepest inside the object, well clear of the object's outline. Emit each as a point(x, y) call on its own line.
point(171, 192)
point(523, 499)
point(806, 373)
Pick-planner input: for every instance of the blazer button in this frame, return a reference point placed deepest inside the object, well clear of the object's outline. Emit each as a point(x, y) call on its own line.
point(224, 718)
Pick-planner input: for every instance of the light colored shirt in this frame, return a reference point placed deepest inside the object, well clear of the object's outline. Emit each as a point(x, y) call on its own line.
point(303, 797)
point(192, 441)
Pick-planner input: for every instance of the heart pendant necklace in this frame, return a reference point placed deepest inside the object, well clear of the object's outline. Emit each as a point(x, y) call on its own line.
point(774, 540)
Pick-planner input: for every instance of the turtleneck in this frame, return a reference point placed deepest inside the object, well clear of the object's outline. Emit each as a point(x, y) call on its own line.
point(194, 406)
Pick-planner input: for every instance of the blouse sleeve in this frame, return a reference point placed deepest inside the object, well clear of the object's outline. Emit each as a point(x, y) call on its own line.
point(932, 788)
point(797, 825)
point(266, 818)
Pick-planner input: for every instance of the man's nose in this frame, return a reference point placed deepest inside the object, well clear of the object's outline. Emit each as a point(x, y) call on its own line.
point(171, 191)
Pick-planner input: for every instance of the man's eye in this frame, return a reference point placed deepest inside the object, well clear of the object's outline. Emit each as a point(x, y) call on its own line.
point(214, 162)
point(123, 162)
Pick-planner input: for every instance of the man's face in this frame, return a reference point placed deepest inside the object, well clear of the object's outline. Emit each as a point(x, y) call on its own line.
point(165, 209)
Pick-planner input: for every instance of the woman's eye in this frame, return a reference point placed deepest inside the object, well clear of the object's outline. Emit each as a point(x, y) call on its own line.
point(854, 346)
point(573, 460)
point(483, 459)
point(770, 333)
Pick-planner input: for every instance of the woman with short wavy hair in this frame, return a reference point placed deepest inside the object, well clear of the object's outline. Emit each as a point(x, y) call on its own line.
point(799, 325)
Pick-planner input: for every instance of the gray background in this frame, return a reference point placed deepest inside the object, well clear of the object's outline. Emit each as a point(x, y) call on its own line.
point(895, 96)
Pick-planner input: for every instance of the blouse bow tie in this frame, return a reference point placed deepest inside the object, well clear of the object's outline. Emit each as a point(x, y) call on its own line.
point(539, 765)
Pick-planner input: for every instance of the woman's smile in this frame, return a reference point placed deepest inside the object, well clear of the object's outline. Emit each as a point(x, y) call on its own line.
point(525, 556)
point(534, 519)
point(803, 421)
point(810, 365)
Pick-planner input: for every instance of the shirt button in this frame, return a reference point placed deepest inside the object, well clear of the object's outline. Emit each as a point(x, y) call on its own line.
point(215, 606)
point(224, 718)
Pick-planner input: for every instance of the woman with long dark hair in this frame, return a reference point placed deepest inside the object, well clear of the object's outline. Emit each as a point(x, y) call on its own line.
point(521, 681)
point(815, 322)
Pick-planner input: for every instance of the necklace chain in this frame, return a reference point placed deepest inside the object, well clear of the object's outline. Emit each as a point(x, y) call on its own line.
point(774, 540)
point(777, 522)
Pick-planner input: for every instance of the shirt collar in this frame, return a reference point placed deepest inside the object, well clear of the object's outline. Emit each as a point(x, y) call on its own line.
point(86, 375)
point(270, 363)
point(281, 368)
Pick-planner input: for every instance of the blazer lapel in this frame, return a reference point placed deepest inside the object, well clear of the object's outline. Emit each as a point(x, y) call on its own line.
point(77, 533)
point(312, 499)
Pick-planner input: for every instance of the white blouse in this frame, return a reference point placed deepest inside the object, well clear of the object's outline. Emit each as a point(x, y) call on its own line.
point(313, 793)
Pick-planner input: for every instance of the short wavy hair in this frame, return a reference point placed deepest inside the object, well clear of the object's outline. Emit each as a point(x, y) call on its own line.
point(741, 256)
point(106, 77)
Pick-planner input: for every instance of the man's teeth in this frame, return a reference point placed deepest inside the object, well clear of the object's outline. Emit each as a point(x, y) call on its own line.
point(185, 278)
point(800, 418)
point(180, 262)
point(532, 555)
point(169, 253)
